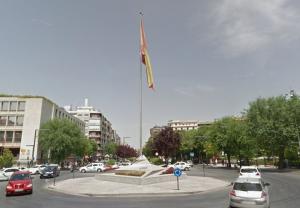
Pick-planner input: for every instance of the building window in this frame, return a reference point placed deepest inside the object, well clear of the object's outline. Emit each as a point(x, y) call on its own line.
point(11, 120)
point(18, 136)
point(21, 106)
point(5, 106)
point(2, 136)
point(9, 136)
point(3, 120)
point(20, 120)
point(13, 105)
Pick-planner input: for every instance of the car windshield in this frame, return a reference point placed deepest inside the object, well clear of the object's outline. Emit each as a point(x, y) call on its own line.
point(49, 168)
point(247, 187)
point(19, 177)
point(248, 170)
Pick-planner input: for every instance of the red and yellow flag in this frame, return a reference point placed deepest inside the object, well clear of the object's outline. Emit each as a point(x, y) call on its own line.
point(145, 57)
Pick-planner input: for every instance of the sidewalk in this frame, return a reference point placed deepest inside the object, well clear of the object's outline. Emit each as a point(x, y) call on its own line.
point(96, 188)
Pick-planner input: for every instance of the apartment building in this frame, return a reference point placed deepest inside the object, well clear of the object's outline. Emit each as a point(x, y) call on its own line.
point(20, 120)
point(97, 126)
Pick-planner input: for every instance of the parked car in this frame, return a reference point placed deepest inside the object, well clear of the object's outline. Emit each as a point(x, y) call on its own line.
point(6, 173)
point(249, 171)
point(93, 167)
point(50, 171)
point(182, 165)
point(249, 192)
point(19, 182)
point(190, 163)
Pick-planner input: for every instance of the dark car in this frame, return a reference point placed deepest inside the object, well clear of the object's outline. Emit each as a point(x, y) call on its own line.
point(50, 172)
point(19, 182)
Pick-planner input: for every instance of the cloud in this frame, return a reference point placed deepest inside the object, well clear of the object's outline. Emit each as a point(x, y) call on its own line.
point(195, 90)
point(242, 26)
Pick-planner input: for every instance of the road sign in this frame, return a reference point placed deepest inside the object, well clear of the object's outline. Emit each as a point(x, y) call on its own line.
point(192, 154)
point(177, 172)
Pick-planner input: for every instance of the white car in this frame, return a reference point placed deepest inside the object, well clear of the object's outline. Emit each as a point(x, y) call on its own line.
point(35, 169)
point(249, 172)
point(181, 165)
point(248, 193)
point(6, 173)
point(93, 167)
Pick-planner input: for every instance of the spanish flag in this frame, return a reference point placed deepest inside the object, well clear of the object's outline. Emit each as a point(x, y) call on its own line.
point(145, 57)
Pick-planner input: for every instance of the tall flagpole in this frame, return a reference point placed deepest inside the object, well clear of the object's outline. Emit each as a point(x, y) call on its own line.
point(141, 99)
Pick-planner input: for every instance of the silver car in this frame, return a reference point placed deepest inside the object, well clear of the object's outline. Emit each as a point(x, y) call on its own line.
point(249, 193)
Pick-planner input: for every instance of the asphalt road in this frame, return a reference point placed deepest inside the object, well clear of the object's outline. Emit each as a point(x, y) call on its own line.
point(284, 192)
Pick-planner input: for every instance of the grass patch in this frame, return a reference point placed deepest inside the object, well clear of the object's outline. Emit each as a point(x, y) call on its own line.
point(130, 173)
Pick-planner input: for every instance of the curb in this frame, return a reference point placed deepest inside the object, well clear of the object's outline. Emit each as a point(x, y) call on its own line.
point(186, 193)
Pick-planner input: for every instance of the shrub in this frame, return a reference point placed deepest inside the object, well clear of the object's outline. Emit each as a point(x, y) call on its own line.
point(169, 170)
point(111, 162)
point(156, 161)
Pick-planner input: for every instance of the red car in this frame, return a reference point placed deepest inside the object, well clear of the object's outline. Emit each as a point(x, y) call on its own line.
point(19, 182)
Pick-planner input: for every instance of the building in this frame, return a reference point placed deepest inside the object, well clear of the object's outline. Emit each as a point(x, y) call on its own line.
point(20, 120)
point(154, 131)
point(178, 125)
point(97, 126)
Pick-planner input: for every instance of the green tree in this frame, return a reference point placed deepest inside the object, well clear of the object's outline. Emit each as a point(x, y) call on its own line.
point(149, 149)
point(188, 141)
point(61, 138)
point(274, 123)
point(110, 148)
point(229, 134)
point(7, 159)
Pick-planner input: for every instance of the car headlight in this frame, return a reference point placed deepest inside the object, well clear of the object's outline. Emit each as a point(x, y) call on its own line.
point(9, 187)
point(29, 185)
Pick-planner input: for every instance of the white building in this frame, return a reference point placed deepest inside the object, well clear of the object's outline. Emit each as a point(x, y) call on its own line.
point(20, 120)
point(97, 126)
point(180, 125)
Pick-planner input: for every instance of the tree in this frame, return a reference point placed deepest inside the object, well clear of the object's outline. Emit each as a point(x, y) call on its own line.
point(229, 134)
point(148, 149)
point(110, 148)
point(60, 138)
point(7, 159)
point(125, 151)
point(167, 143)
point(188, 141)
point(274, 123)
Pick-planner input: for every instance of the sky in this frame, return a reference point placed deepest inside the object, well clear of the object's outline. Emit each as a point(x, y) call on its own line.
point(210, 58)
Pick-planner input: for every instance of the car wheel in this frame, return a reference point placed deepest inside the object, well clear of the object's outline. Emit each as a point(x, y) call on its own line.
point(186, 169)
point(36, 172)
point(83, 171)
point(99, 170)
point(41, 177)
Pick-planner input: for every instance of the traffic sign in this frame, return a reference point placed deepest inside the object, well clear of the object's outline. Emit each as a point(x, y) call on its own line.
point(177, 172)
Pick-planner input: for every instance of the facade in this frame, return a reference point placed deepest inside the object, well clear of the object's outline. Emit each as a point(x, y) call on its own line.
point(97, 126)
point(155, 130)
point(20, 120)
point(178, 125)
